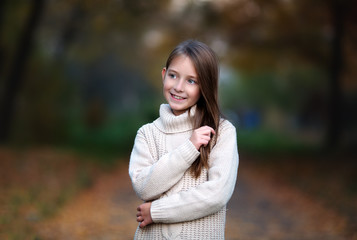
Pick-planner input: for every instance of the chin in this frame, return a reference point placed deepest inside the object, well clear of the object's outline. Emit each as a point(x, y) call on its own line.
point(177, 110)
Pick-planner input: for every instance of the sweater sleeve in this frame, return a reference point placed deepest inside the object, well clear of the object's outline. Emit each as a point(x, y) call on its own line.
point(152, 178)
point(210, 196)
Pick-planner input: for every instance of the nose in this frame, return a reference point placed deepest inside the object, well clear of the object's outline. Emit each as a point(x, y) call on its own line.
point(179, 86)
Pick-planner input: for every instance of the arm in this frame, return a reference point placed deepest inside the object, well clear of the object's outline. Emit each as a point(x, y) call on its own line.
point(209, 197)
point(151, 178)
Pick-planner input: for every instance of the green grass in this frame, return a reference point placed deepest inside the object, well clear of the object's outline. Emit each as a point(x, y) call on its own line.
point(263, 141)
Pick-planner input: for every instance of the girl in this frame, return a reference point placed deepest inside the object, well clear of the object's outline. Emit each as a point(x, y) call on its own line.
point(184, 164)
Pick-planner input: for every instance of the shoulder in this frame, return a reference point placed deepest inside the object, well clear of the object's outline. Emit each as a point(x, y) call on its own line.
point(226, 125)
point(150, 129)
point(226, 130)
point(146, 128)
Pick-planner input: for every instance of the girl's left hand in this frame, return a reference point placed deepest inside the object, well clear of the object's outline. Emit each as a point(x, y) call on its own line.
point(143, 215)
point(201, 136)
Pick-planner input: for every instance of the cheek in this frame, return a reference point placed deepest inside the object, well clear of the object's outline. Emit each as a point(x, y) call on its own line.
point(166, 86)
point(195, 93)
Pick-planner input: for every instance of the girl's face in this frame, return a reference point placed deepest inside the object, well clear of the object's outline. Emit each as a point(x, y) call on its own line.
point(181, 88)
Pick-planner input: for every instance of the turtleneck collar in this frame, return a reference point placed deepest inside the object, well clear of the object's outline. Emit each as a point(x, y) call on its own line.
point(169, 123)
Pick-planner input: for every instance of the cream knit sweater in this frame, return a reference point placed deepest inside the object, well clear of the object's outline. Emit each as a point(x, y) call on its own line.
point(182, 207)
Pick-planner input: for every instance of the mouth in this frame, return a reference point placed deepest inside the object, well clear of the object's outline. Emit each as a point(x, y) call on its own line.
point(176, 97)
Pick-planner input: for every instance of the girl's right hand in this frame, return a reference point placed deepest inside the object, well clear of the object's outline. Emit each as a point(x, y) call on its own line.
point(201, 136)
point(143, 216)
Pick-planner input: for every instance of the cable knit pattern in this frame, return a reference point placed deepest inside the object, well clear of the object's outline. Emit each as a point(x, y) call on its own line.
point(183, 207)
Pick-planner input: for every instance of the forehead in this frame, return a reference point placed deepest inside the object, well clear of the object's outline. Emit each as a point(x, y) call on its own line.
point(182, 63)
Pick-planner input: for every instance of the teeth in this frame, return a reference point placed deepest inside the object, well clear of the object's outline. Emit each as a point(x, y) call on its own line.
point(177, 97)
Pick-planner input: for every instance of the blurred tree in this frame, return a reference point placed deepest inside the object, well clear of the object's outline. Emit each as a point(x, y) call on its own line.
point(15, 79)
point(277, 51)
point(2, 44)
point(286, 39)
point(340, 12)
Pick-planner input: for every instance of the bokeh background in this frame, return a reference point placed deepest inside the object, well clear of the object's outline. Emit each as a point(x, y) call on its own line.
point(78, 78)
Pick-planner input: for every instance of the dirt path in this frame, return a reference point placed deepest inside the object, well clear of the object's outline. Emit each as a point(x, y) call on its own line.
point(264, 208)
point(260, 208)
point(104, 212)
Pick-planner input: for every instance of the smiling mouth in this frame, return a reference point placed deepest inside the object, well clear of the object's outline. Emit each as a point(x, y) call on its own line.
point(176, 97)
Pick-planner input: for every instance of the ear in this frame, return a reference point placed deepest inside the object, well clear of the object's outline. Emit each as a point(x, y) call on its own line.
point(163, 72)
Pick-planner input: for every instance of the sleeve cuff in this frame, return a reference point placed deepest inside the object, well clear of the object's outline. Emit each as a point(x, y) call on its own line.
point(157, 214)
point(188, 152)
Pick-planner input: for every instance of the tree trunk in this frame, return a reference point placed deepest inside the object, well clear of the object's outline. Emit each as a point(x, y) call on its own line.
point(15, 80)
point(2, 47)
point(338, 10)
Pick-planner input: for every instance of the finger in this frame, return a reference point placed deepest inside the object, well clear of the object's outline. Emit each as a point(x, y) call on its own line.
point(211, 130)
point(207, 130)
point(205, 139)
point(209, 134)
point(208, 127)
point(204, 133)
point(138, 214)
point(139, 219)
point(138, 208)
point(204, 129)
point(203, 143)
point(142, 224)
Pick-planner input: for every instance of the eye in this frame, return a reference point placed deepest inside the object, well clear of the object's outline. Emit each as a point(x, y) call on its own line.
point(191, 81)
point(172, 75)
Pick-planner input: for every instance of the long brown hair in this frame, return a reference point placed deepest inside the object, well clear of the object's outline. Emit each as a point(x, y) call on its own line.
point(207, 112)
